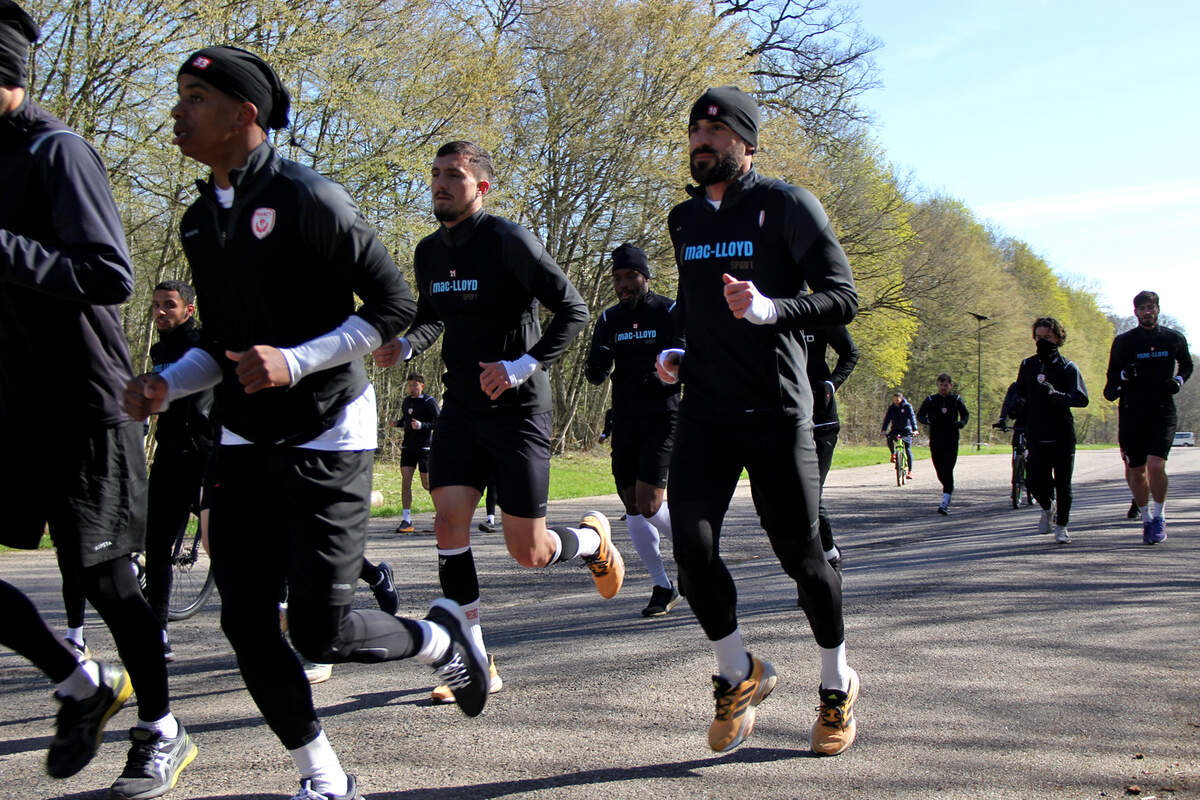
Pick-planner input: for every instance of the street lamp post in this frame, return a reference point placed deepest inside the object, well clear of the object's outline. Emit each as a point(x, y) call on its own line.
point(979, 320)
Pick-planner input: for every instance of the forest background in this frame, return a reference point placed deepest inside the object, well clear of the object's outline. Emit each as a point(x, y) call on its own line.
point(584, 107)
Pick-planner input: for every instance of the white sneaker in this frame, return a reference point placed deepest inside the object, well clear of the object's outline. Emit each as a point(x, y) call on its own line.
point(1044, 522)
point(316, 673)
point(1060, 534)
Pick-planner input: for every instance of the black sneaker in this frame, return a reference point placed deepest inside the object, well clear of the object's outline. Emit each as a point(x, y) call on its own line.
point(662, 600)
point(308, 793)
point(943, 510)
point(168, 651)
point(385, 590)
point(464, 669)
point(79, 726)
point(487, 527)
point(1133, 512)
point(153, 765)
point(836, 565)
point(78, 649)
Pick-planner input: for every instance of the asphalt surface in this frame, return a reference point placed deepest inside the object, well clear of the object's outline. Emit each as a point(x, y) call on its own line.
point(995, 664)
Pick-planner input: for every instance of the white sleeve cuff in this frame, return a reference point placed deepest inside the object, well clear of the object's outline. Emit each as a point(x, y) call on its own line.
point(194, 372)
point(521, 369)
point(353, 339)
point(762, 310)
point(406, 348)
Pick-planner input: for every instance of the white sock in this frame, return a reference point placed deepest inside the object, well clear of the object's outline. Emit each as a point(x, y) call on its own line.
point(835, 672)
point(554, 537)
point(662, 519)
point(733, 662)
point(946, 499)
point(491, 519)
point(830, 555)
point(645, 541)
point(82, 683)
point(408, 515)
point(589, 541)
point(1146, 515)
point(168, 726)
point(437, 642)
point(1161, 506)
point(317, 761)
point(471, 610)
point(75, 635)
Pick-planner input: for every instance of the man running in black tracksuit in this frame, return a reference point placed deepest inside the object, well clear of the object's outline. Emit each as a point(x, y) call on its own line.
point(279, 254)
point(748, 250)
point(630, 336)
point(945, 414)
point(72, 458)
point(1051, 386)
point(1142, 375)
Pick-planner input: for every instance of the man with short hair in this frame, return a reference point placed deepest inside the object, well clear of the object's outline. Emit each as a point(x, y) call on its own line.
point(1051, 386)
point(749, 250)
point(627, 339)
point(278, 255)
point(418, 415)
point(481, 280)
point(946, 414)
point(73, 459)
point(1147, 366)
point(900, 422)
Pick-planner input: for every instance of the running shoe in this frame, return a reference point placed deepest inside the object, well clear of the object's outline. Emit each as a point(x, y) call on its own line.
point(444, 694)
point(836, 564)
point(307, 792)
point(385, 590)
point(316, 673)
point(464, 669)
point(168, 650)
point(78, 649)
point(835, 727)
point(607, 566)
point(1046, 520)
point(1133, 512)
point(153, 765)
point(944, 510)
point(736, 705)
point(487, 527)
point(1158, 531)
point(908, 476)
point(662, 600)
point(405, 526)
point(1061, 535)
point(893, 458)
point(79, 726)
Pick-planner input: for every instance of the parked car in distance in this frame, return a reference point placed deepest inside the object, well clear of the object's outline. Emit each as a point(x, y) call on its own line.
point(1184, 439)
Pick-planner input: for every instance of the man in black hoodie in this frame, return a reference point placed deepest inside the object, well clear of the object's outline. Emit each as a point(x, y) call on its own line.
point(946, 414)
point(72, 458)
point(758, 264)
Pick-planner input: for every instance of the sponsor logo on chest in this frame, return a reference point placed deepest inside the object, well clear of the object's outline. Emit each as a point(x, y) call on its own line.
point(735, 249)
point(628, 336)
point(456, 286)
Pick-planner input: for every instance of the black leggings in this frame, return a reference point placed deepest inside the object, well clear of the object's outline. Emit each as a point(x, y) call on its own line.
point(1048, 471)
point(944, 454)
point(26, 632)
point(785, 482)
point(174, 491)
point(825, 437)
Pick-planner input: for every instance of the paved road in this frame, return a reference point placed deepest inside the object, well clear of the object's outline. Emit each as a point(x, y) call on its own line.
point(995, 664)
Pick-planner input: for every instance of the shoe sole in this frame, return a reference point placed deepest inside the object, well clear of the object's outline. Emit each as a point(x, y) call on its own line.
point(748, 719)
point(851, 725)
point(161, 790)
point(616, 564)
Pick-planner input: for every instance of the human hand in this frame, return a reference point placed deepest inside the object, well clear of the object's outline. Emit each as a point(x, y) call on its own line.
point(746, 302)
point(389, 354)
point(667, 365)
point(493, 380)
point(145, 395)
point(260, 367)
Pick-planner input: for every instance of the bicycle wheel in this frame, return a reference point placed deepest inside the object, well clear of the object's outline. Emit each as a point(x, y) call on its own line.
point(1018, 469)
point(901, 465)
point(191, 577)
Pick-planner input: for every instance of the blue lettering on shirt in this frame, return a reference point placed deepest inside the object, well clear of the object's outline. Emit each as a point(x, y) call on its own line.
point(739, 249)
point(1154, 354)
point(441, 287)
point(626, 336)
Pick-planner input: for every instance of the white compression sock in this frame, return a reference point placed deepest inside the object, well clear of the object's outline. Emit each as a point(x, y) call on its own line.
point(733, 662)
point(168, 726)
point(589, 541)
point(437, 642)
point(662, 519)
point(645, 541)
point(82, 683)
point(316, 760)
point(835, 672)
point(471, 610)
point(75, 635)
point(408, 515)
point(1160, 508)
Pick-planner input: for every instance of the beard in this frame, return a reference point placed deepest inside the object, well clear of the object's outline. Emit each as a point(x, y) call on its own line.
point(726, 167)
point(448, 213)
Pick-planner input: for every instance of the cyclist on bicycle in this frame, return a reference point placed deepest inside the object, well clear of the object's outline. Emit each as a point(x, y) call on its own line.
point(900, 421)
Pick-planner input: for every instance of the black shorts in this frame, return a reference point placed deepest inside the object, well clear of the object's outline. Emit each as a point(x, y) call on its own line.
point(309, 508)
point(514, 449)
point(1146, 432)
point(415, 457)
point(641, 449)
point(90, 488)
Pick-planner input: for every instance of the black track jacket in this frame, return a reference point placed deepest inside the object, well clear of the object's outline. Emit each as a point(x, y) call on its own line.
point(816, 340)
point(628, 341)
point(279, 268)
point(64, 268)
point(185, 425)
point(944, 416)
point(1148, 359)
point(481, 282)
point(779, 237)
point(1047, 413)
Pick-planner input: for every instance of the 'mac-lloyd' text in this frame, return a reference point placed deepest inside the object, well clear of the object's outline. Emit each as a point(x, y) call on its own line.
point(695, 252)
point(625, 336)
point(438, 287)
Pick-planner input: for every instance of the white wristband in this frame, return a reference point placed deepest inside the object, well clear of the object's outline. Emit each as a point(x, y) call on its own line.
point(671, 369)
point(762, 310)
point(520, 370)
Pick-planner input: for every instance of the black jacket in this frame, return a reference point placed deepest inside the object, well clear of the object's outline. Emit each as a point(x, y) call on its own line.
point(628, 341)
point(481, 282)
point(819, 373)
point(424, 409)
point(1051, 389)
point(64, 268)
point(944, 416)
point(899, 418)
point(779, 237)
point(280, 267)
point(185, 426)
point(1148, 360)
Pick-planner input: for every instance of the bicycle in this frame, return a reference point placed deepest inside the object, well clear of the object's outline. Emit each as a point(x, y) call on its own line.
point(898, 445)
point(1019, 455)
point(192, 579)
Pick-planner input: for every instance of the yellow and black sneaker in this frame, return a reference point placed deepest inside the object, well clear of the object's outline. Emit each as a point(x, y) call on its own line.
point(736, 705)
point(607, 566)
point(79, 726)
point(835, 728)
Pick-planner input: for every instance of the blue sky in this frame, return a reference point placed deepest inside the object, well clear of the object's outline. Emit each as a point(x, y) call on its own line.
point(1073, 126)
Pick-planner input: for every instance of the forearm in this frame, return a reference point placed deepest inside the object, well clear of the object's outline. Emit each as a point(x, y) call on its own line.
point(194, 372)
point(353, 339)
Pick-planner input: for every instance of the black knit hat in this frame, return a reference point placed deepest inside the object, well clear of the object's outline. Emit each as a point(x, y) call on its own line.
point(628, 256)
point(17, 32)
point(241, 74)
point(732, 106)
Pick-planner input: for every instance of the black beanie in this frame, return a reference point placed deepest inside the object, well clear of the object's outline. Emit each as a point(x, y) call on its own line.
point(732, 106)
point(243, 75)
point(17, 32)
point(628, 256)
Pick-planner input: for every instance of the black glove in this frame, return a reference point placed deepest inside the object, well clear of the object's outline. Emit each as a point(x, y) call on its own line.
point(1173, 386)
point(999, 425)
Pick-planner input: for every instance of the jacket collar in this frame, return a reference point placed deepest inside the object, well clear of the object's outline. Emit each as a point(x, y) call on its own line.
point(262, 163)
point(180, 330)
point(461, 233)
point(733, 193)
point(15, 127)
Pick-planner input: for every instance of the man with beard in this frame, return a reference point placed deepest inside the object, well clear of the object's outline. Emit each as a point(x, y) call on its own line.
point(627, 340)
point(1051, 386)
point(279, 255)
point(946, 414)
point(480, 279)
point(749, 250)
point(73, 460)
point(1142, 375)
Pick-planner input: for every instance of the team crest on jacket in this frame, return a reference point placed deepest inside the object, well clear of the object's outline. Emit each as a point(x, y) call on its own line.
point(262, 222)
